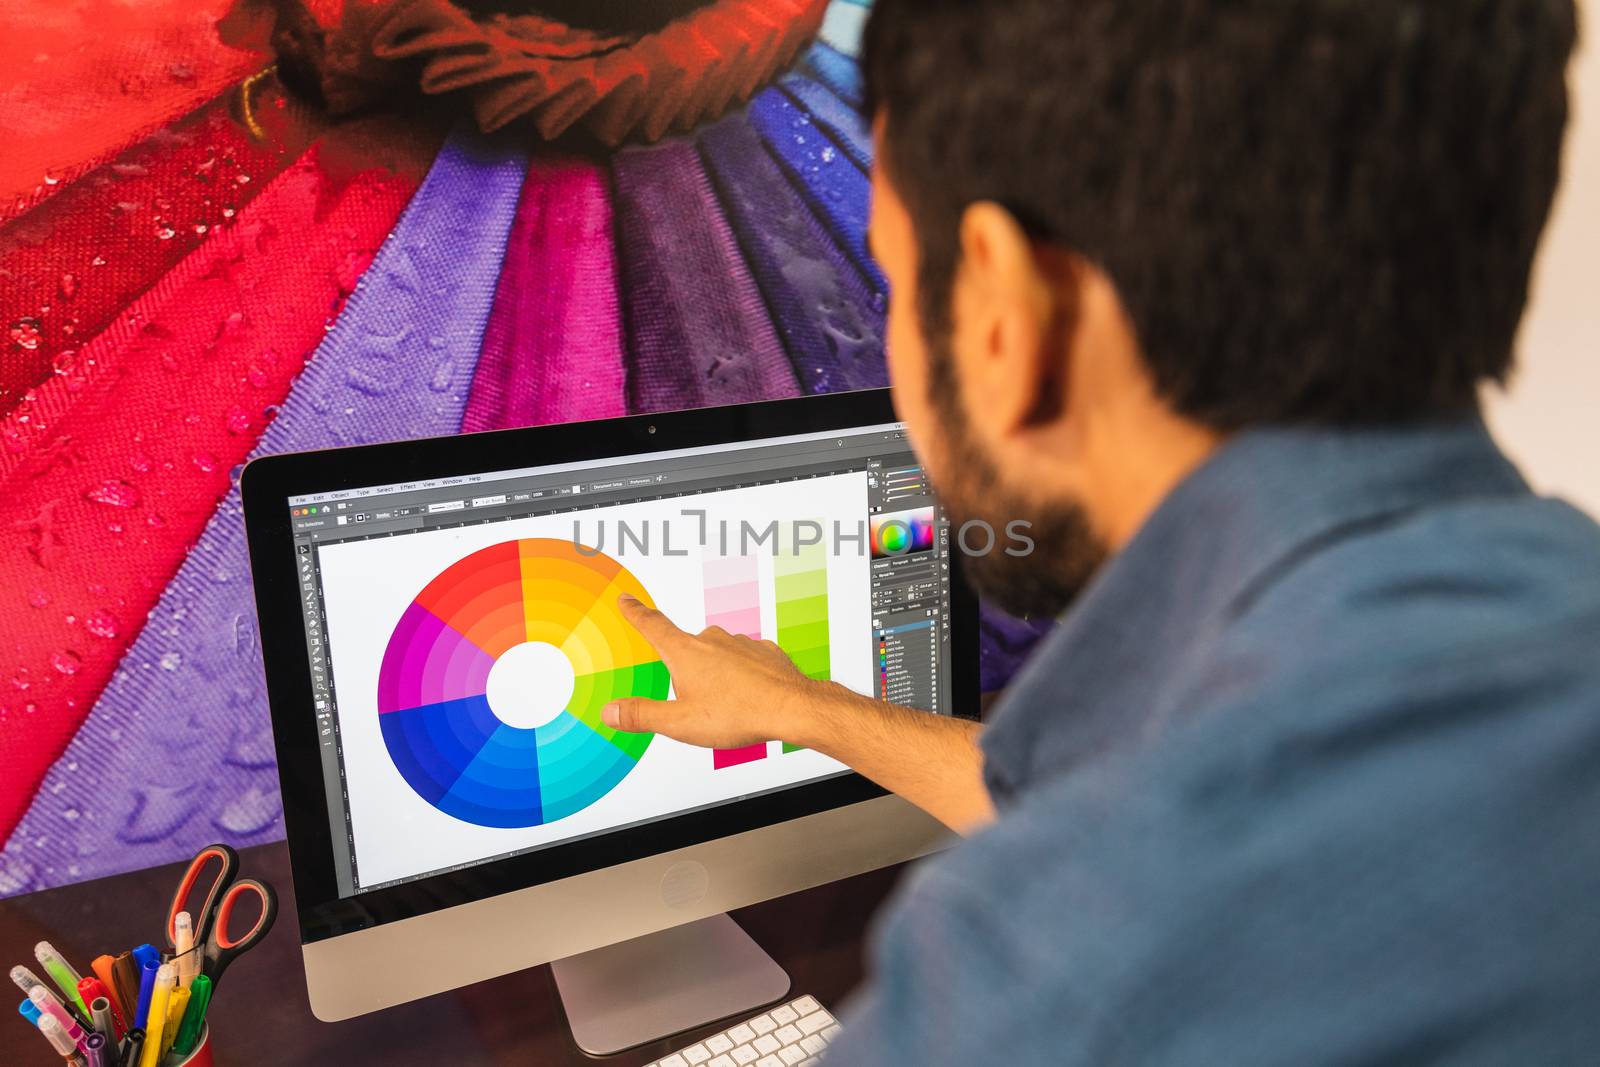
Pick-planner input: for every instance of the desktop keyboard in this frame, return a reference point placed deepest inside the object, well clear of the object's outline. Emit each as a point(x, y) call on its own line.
point(789, 1035)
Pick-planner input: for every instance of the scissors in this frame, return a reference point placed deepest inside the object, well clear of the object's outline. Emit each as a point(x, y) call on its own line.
point(212, 940)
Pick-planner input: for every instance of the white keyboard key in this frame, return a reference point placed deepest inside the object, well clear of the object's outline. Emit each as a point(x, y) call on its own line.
point(791, 1035)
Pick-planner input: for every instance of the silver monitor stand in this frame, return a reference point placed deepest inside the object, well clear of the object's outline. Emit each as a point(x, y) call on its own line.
point(629, 994)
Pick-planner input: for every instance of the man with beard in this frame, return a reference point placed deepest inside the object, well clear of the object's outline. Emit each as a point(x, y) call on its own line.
point(1310, 770)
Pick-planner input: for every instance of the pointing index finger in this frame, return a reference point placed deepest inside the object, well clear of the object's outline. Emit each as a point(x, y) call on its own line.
point(656, 627)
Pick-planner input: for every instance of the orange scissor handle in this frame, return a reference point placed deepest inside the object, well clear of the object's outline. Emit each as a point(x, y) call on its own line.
point(221, 947)
point(269, 911)
point(227, 869)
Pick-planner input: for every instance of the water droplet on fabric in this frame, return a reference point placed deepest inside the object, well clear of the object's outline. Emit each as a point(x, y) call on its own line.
point(68, 286)
point(66, 662)
point(16, 874)
point(164, 230)
point(204, 461)
point(443, 375)
point(101, 624)
point(249, 813)
point(113, 493)
point(171, 661)
point(244, 634)
point(237, 420)
point(25, 334)
point(39, 598)
point(21, 679)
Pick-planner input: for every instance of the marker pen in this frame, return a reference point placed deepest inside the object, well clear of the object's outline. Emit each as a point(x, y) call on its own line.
point(104, 1019)
point(96, 1048)
point(61, 973)
point(30, 1011)
point(147, 983)
point(60, 1041)
point(104, 968)
point(166, 981)
point(187, 959)
point(132, 1048)
point(177, 1006)
point(125, 983)
point(50, 1007)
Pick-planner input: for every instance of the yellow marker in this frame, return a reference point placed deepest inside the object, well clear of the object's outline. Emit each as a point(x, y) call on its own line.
point(176, 1006)
point(156, 1021)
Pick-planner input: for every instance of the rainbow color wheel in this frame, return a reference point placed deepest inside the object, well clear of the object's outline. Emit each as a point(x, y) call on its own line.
point(458, 752)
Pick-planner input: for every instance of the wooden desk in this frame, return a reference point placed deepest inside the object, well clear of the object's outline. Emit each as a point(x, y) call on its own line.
point(261, 1015)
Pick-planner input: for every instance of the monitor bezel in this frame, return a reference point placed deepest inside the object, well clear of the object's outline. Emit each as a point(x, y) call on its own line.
point(268, 484)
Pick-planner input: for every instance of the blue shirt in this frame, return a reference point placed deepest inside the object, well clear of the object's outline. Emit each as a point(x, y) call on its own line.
point(1309, 774)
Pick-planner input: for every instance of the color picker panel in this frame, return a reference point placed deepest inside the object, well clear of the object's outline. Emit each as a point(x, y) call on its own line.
point(733, 602)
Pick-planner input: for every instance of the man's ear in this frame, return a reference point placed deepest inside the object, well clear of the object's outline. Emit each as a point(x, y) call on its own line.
point(1009, 316)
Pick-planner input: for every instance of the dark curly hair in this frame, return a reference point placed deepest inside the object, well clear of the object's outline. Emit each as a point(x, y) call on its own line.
point(1315, 211)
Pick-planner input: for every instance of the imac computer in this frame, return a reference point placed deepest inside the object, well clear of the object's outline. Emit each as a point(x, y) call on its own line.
point(440, 633)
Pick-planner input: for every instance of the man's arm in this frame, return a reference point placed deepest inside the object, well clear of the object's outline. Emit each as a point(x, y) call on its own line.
point(734, 691)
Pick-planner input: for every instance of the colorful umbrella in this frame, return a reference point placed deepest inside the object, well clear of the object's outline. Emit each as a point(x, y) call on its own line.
point(216, 252)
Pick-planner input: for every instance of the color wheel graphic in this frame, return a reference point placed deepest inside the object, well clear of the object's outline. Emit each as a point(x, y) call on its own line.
point(434, 704)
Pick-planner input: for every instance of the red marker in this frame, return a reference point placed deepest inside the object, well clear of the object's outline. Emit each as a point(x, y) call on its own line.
point(92, 989)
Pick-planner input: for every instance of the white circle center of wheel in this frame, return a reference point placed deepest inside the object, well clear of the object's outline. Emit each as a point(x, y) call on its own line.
point(530, 685)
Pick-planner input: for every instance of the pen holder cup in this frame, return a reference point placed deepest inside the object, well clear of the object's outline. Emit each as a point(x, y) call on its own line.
point(200, 1056)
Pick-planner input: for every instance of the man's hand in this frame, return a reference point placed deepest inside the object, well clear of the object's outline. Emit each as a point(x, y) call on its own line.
point(732, 690)
point(735, 691)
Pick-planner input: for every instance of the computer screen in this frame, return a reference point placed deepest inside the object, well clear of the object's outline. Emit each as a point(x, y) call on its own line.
point(463, 636)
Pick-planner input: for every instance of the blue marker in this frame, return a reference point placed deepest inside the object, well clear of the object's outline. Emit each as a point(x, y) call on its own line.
point(147, 959)
point(147, 984)
point(30, 1011)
